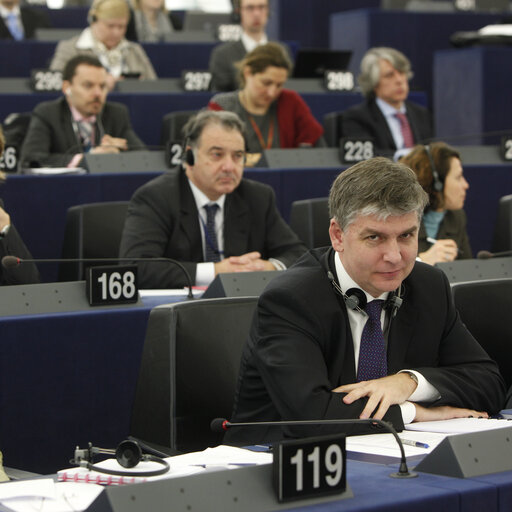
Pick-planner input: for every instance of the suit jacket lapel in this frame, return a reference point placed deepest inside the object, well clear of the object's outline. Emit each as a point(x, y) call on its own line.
point(413, 122)
point(189, 228)
point(71, 139)
point(237, 225)
point(382, 125)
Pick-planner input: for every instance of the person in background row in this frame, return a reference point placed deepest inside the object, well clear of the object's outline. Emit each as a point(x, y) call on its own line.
point(253, 20)
point(275, 117)
point(11, 244)
point(386, 116)
point(397, 350)
point(20, 22)
point(61, 131)
point(207, 216)
point(105, 39)
point(443, 235)
point(151, 22)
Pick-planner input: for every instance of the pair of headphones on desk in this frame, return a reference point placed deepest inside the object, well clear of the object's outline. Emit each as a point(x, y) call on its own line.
point(128, 455)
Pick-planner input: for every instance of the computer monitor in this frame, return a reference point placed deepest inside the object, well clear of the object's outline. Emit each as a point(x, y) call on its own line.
point(313, 62)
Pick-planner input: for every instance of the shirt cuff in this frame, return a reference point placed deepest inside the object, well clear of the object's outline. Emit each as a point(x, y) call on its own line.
point(205, 273)
point(75, 160)
point(278, 264)
point(408, 412)
point(424, 392)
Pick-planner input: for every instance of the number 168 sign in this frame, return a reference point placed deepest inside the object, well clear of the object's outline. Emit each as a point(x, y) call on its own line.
point(306, 468)
point(114, 284)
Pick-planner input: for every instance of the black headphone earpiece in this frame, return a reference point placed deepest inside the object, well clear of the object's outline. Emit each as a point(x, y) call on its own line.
point(128, 455)
point(189, 157)
point(355, 298)
point(438, 184)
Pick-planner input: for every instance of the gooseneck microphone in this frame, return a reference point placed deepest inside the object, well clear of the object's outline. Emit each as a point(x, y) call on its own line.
point(485, 255)
point(222, 424)
point(13, 261)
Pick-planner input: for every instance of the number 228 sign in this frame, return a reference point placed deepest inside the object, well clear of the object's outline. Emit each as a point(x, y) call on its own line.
point(306, 468)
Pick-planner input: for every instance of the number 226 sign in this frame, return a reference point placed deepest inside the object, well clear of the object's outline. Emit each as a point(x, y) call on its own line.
point(306, 468)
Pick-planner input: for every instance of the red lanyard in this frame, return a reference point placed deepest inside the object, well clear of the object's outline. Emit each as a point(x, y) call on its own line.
point(257, 131)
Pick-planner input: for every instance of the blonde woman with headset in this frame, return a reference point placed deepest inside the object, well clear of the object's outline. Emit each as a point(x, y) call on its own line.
point(105, 38)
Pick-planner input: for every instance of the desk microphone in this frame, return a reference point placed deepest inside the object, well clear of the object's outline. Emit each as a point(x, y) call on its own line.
point(222, 424)
point(485, 255)
point(14, 261)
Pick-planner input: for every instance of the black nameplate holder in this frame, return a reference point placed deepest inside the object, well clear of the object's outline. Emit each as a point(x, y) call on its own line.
point(337, 80)
point(229, 32)
point(9, 159)
point(112, 284)
point(45, 80)
point(195, 81)
point(309, 467)
point(353, 150)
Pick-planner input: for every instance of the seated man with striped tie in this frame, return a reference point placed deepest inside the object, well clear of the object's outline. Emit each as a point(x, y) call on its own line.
point(81, 121)
point(361, 329)
point(206, 215)
point(386, 116)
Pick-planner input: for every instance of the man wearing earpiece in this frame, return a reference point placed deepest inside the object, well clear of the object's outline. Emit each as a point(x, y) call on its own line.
point(82, 121)
point(360, 329)
point(207, 216)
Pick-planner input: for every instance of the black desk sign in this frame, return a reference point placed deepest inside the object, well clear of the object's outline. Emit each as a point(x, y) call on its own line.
point(506, 148)
point(113, 284)
point(174, 153)
point(196, 80)
point(9, 160)
point(355, 150)
point(312, 467)
point(229, 32)
point(45, 80)
point(338, 80)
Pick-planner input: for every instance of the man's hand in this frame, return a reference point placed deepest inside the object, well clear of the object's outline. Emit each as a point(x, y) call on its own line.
point(5, 219)
point(445, 412)
point(249, 262)
point(442, 250)
point(381, 393)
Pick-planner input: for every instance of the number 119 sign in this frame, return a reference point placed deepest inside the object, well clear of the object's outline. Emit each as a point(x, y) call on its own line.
point(312, 467)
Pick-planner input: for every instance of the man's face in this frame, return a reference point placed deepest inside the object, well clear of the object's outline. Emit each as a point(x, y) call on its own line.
point(253, 15)
point(87, 90)
point(218, 161)
point(111, 31)
point(377, 254)
point(393, 86)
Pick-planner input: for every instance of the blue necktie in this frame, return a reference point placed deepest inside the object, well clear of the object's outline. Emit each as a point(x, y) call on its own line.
point(14, 26)
point(210, 235)
point(85, 128)
point(372, 352)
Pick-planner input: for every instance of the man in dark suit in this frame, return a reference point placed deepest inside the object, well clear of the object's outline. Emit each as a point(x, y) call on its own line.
point(386, 116)
point(81, 121)
point(20, 22)
point(361, 329)
point(207, 216)
point(253, 20)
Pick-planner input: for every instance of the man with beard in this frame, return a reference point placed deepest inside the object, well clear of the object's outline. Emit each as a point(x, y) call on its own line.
point(207, 216)
point(81, 121)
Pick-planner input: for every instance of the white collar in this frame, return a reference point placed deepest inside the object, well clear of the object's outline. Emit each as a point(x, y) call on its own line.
point(202, 199)
point(389, 110)
point(87, 41)
point(249, 43)
point(6, 12)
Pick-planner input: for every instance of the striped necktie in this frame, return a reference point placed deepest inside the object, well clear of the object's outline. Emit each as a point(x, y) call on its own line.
point(210, 235)
point(405, 128)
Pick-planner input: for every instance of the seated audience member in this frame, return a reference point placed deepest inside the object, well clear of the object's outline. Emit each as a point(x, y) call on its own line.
point(151, 22)
point(402, 354)
point(207, 216)
point(80, 121)
point(105, 39)
point(20, 22)
point(386, 116)
point(11, 244)
point(275, 117)
point(253, 20)
point(442, 235)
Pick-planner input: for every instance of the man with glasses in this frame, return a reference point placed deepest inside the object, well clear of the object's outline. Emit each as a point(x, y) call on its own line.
point(253, 19)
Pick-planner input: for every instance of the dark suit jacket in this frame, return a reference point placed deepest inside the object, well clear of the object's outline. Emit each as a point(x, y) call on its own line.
point(12, 245)
point(52, 142)
point(300, 348)
point(366, 120)
point(31, 20)
point(162, 220)
point(221, 66)
point(453, 227)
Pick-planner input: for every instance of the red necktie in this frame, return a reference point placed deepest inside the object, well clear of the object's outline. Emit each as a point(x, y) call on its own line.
point(405, 128)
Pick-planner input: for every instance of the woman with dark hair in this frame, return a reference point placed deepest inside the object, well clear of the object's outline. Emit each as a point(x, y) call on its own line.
point(275, 117)
point(443, 235)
